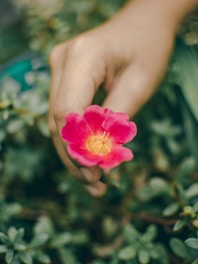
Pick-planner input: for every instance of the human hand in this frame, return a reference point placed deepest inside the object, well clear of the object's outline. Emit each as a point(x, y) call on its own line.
point(128, 55)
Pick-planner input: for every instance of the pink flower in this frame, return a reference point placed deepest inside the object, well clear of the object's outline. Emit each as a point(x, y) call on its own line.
point(96, 138)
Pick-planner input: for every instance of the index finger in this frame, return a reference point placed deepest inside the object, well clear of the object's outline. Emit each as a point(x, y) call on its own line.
point(83, 73)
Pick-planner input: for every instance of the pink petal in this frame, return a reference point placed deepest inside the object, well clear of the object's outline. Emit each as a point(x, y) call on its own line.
point(120, 129)
point(119, 115)
point(117, 156)
point(95, 116)
point(83, 156)
point(76, 129)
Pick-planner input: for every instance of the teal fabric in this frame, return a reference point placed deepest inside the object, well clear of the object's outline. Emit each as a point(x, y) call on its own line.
point(17, 71)
point(18, 67)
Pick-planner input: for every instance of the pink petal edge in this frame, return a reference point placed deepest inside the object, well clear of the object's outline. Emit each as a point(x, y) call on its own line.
point(120, 115)
point(120, 130)
point(83, 156)
point(117, 156)
point(76, 129)
point(95, 115)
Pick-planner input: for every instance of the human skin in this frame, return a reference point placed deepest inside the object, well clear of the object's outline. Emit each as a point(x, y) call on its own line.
point(128, 54)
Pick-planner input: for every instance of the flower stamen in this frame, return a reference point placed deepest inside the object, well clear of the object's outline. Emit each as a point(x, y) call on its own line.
point(99, 144)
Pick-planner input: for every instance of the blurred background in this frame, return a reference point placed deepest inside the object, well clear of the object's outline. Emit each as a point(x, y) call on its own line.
point(150, 211)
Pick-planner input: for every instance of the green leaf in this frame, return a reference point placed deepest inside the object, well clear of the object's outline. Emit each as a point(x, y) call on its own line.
point(181, 193)
point(15, 126)
point(44, 225)
point(170, 209)
point(80, 238)
point(13, 209)
point(25, 257)
point(191, 128)
point(97, 261)
point(154, 253)
point(192, 242)
point(195, 207)
point(20, 247)
point(179, 248)
point(179, 224)
point(3, 249)
point(131, 234)
point(163, 254)
point(143, 256)
point(9, 256)
point(195, 261)
point(66, 256)
point(43, 127)
point(19, 235)
point(39, 240)
point(4, 238)
point(12, 232)
point(61, 240)
point(127, 253)
point(150, 234)
point(186, 167)
point(43, 258)
point(192, 191)
point(156, 187)
point(186, 69)
point(159, 185)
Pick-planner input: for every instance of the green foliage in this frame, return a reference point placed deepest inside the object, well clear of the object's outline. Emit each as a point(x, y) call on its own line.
point(140, 247)
point(149, 214)
point(186, 66)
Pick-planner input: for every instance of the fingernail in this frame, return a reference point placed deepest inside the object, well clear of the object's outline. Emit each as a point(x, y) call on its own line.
point(87, 174)
point(97, 189)
point(92, 190)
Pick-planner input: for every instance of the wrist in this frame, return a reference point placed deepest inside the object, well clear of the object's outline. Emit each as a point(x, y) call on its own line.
point(176, 11)
point(168, 13)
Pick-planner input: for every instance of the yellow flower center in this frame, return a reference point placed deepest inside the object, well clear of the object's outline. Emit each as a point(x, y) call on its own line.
point(99, 144)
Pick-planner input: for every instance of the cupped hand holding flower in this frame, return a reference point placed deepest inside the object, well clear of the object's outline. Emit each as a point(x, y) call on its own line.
point(128, 55)
point(97, 137)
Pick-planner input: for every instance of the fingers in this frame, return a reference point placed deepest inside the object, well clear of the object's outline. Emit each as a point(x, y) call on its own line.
point(73, 85)
point(57, 63)
point(83, 72)
point(92, 174)
point(133, 89)
point(98, 189)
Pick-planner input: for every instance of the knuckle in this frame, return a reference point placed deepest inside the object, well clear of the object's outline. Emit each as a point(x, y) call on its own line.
point(81, 45)
point(59, 114)
point(52, 127)
point(55, 54)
